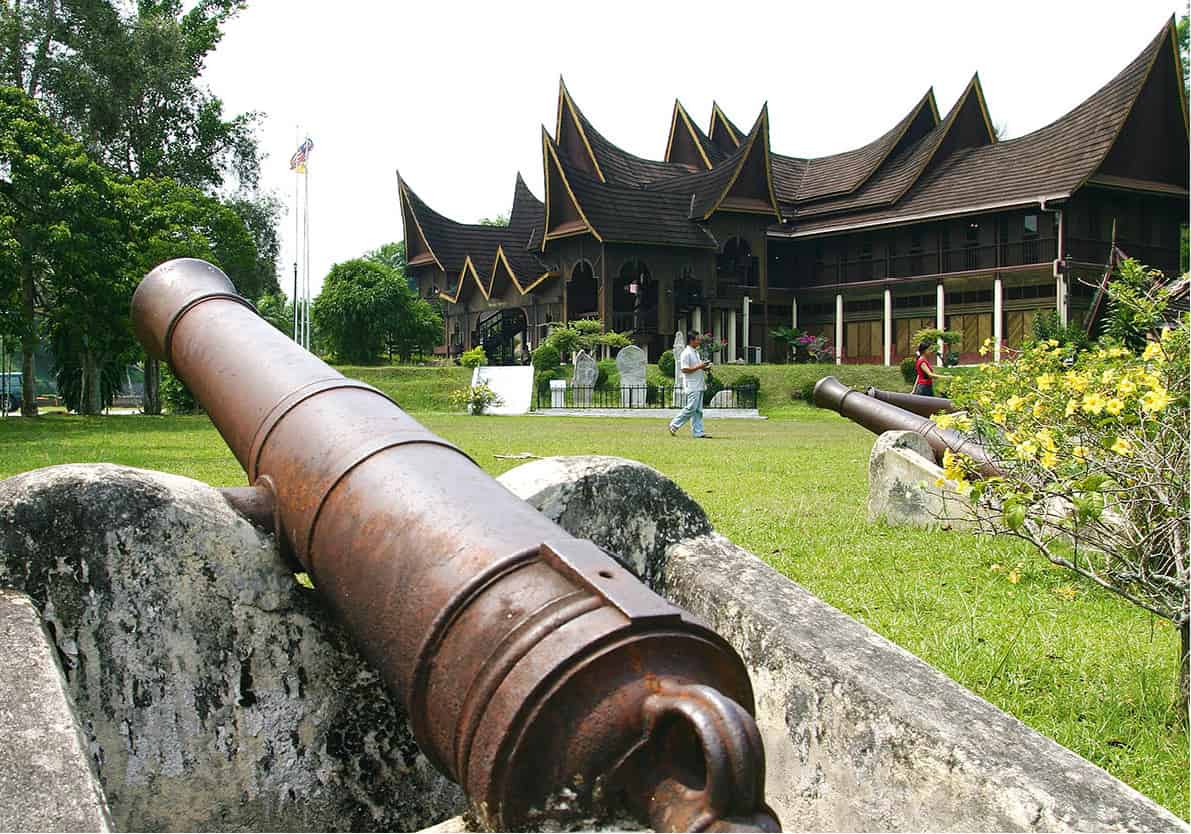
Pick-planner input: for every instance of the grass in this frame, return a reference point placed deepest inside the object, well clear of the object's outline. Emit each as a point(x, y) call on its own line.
point(1072, 661)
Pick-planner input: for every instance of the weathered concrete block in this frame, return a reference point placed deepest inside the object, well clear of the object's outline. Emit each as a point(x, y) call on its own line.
point(46, 781)
point(902, 476)
point(216, 693)
point(860, 735)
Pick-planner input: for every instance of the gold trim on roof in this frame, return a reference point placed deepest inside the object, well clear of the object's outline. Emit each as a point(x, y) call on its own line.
point(679, 110)
point(403, 198)
point(760, 128)
point(718, 114)
point(549, 154)
point(564, 96)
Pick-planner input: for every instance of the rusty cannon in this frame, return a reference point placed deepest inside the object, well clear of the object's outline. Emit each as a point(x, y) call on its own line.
point(879, 416)
point(537, 672)
point(914, 403)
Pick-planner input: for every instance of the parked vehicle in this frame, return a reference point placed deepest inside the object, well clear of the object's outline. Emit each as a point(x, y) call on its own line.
point(10, 392)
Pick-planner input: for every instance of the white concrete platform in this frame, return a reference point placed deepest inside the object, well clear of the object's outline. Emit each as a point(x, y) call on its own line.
point(513, 384)
point(650, 413)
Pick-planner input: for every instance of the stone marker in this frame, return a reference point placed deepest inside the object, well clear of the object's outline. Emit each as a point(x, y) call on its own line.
point(46, 781)
point(679, 386)
point(587, 371)
point(630, 362)
point(215, 692)
point(723, 399)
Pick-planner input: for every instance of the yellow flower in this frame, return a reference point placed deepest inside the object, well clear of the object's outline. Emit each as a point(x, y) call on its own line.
point(1122, 446)
point(1075, 380)
point(1067, 592)
point(1053, 342)
point(1039, 408)
point(1050, 460)
point(1107, 377)
point(1155, 400)
point(1153, 351)
point(998, 416)
point(1014, 577)
point(1080, 452)
point(1015, 402)
point(1046, 439)
point(1114, 406)
point(1148, 380)
point(1072, 407)
point(1126, 387)
point(963, 487)
point(1027, 450)
point(1093, 403)
point(943, 421)
point(1045, 382)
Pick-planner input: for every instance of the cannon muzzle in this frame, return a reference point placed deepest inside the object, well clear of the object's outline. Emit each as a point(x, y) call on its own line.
point(537, 672)
point(914, 403)
point(879, 417)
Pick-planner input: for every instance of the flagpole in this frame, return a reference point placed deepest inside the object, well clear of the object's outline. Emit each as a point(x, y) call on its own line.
point(294, 299)
point(306, 254)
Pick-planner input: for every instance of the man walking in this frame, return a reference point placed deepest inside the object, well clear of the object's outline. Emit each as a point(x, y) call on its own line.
point(694, 382)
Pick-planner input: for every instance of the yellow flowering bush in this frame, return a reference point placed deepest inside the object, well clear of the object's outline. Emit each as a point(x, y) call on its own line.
point(1092, 448)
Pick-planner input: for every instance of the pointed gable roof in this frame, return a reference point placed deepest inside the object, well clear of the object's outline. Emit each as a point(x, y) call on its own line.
point(687, 144)
point(742, 182)
point(609, 163)
point(802, 180)
point(563, 215)
point(967, 124)
point(1049, 163)
point(722, 132)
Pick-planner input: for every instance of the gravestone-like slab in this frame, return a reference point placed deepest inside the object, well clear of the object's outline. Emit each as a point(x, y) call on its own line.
point(630, 363)
point(679, 385)
point(583, 380)
point(723, 399)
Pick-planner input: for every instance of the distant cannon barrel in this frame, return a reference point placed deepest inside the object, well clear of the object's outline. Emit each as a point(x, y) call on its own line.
point(879, 417)
point(914, 403)
point(537, 672)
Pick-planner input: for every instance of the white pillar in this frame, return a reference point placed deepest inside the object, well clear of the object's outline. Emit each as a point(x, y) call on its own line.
point(697, 319)
point(794, 313)
point(682, 326)
point(998, 317)
point(731, 336)
point(887, 328)
point(1061, 299)
point(940, 317)
point(717, 325)
point(744, 326)
point(839, 329)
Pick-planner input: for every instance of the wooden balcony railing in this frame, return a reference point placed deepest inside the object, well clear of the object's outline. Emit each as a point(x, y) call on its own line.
point(934, 262)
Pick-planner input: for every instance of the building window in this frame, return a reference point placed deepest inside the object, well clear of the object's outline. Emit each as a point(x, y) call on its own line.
point(1030, 228)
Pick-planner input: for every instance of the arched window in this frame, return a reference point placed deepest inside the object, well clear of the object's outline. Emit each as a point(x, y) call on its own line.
point(583, 296)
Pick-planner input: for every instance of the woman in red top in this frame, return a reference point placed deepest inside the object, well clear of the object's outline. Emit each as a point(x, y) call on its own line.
point(925, 383)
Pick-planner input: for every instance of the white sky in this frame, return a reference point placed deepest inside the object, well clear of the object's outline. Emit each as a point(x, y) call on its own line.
point(453, 94)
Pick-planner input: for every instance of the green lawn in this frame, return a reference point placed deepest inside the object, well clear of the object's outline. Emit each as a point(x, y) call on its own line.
point(1070, 660)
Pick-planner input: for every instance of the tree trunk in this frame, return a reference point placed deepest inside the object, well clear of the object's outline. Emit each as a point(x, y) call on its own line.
point(91, 393)
point(1184, 656)
point(28, 343)
point(152, 398)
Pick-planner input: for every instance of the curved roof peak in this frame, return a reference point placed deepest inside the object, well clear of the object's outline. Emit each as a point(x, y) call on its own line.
point(687, 144)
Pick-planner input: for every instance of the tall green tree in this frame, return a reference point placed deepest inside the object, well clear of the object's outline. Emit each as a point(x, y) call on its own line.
point(361, 304)
point(64, 245)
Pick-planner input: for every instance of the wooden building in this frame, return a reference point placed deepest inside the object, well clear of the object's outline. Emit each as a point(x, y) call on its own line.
point(934, 223)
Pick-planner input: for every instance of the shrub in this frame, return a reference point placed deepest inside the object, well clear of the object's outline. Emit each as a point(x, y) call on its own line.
point(607, 374)
point(1092, 448)
point(546, 357)
point(744, 380)
point(473, 358)
point(714, 386)
point(666, 364)
point(542, 378)
point(475, 399)
point(807, 392)
point(175, 396)
point(909, 372)
point(1046, 326)
point(614, 340)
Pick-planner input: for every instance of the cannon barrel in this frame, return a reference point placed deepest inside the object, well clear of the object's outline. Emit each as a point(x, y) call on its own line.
point(879, 417)
point(537, 672)
point(914, 403)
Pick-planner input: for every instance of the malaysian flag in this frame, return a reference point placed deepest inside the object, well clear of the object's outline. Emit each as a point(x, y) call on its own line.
point(297, 162)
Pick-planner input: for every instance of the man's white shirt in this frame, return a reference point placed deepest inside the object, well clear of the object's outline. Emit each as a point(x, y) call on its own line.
point(694, 381)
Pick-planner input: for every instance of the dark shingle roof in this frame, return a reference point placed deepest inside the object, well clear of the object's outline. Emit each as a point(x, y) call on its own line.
point(1053, 161)
point(621, 214)
point(681, 120)
point(802, 180)
point(450, 240)
point(724, 141)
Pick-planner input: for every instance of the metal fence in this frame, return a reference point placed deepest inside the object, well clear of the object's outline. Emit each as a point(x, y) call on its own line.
point(642, 396)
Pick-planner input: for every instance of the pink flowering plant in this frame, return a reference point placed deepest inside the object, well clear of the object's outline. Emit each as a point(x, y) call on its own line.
point(1092, 447)
point(710, 346)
